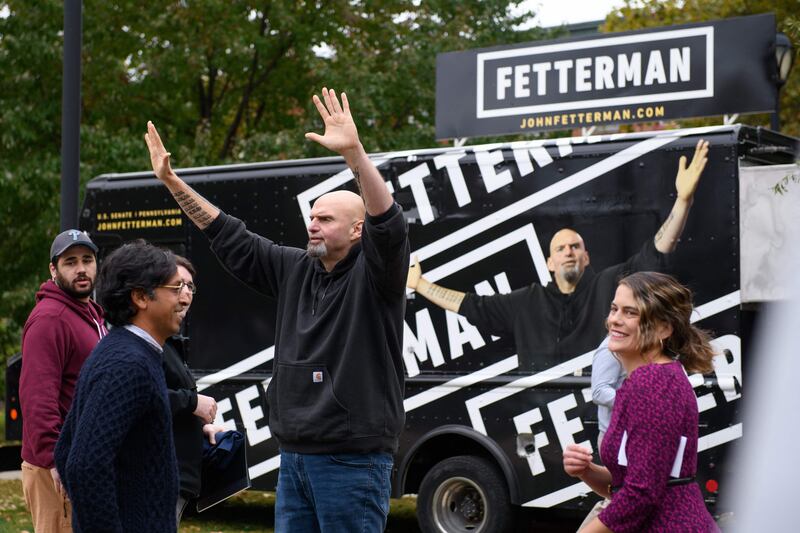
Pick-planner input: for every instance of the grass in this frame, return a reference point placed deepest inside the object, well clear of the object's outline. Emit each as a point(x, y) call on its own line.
point(251, 511)
point(13, 512)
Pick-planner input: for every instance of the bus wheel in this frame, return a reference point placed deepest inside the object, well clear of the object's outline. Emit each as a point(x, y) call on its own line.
point(464, 493)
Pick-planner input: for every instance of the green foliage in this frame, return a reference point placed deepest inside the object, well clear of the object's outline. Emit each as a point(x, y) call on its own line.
point(225, 81)
point(14, 515)
point(231, 81)
point(248, 511)
point(638, 14)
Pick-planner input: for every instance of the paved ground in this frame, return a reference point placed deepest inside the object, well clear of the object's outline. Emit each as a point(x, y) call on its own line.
point(549, 521)
point(13, 474)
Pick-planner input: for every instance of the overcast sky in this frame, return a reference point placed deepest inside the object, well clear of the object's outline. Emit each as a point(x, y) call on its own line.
point(558, 12)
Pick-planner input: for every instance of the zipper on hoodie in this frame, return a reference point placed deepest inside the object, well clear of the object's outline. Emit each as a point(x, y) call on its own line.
point(316, 301)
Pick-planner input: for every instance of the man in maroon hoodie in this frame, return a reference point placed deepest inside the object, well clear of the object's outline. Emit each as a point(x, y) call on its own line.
point(61, 331)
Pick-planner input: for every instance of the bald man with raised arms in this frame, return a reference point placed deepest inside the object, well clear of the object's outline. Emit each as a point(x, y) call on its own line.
point(336, 393)
point(553, 323)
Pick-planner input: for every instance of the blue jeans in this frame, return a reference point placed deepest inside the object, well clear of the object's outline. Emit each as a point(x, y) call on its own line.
point(343, 492)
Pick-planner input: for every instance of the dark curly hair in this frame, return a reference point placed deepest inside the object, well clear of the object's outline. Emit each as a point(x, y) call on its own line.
point(136, 265)
point(661, 298)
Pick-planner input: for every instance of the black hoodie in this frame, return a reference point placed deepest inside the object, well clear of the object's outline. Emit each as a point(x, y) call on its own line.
point(549, 327)
point(337, 382)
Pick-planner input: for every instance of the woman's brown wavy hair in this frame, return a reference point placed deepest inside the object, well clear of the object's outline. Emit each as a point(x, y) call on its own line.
point(661, 299)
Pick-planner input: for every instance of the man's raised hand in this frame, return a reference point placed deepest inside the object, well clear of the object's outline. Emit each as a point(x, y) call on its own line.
point(341, 134)
point(199, 210)
point(688, 177)
point(159, 157)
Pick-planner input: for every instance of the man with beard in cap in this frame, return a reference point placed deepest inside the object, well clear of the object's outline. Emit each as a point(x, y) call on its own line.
point(61, 331)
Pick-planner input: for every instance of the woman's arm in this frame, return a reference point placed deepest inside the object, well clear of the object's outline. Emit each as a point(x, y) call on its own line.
point(598, 478)
point(578, 463)
point(595, 526)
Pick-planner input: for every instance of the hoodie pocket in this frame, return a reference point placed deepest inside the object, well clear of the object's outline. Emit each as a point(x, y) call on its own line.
point(309, 409)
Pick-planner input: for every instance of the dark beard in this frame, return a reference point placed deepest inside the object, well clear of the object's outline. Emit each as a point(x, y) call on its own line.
point(67, 288)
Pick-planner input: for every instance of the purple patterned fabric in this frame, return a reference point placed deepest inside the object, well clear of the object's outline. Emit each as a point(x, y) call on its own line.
point(655, 406)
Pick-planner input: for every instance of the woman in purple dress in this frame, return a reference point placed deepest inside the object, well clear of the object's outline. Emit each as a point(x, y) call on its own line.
point(650, 448)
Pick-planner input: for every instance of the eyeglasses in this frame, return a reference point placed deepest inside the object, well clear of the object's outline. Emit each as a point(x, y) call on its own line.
point(178, 288)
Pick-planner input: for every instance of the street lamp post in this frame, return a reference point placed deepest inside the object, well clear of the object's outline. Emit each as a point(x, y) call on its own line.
point(71, 114)
point(784, 57)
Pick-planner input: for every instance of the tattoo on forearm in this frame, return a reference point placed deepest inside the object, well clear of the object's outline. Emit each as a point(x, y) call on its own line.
point(446, 295)
point(357, 177)
point(664, 226)
point(193, 210)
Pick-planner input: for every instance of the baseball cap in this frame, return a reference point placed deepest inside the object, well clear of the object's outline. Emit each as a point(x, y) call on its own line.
point(68, 239)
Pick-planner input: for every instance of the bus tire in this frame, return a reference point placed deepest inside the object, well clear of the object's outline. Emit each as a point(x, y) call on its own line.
point(464, 493)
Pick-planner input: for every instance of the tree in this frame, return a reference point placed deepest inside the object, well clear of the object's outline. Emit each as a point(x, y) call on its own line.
point(638, 14)
point(225, 81)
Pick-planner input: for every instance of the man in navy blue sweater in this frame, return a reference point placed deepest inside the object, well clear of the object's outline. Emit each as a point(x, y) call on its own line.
point(336, 393)
point(115, 453)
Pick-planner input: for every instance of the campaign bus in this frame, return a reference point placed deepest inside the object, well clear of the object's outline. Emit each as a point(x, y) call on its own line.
point(485, 425)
